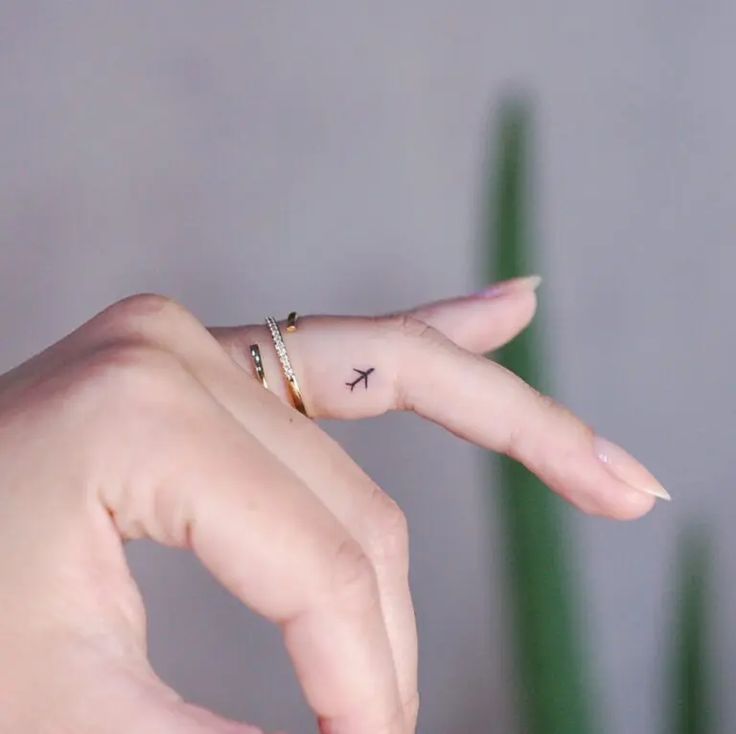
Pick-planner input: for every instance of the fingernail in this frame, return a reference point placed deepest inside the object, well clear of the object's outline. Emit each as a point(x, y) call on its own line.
point(527, 283)
point(625, 467)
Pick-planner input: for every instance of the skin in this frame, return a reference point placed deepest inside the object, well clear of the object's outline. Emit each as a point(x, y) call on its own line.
point(144, 423)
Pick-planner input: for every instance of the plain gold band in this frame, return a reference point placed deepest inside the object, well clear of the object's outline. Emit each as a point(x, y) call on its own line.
point(255, 355)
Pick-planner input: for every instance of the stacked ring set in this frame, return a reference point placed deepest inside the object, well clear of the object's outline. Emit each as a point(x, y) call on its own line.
point(280, 346)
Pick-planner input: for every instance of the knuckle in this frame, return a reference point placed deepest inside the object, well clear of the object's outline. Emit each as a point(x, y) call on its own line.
point(135, 312)
point(125, 372)
point(513, 442)
point(406, 325)
point(551, 408)
point(409, 338)
point(387, 532)
point(547, 403)
point(353, 583)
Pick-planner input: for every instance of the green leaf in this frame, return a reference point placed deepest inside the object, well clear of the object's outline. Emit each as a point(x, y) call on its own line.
point(690, 708)
point(552, 676)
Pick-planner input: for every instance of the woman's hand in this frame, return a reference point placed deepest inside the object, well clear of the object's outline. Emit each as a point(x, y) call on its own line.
point(145, 423)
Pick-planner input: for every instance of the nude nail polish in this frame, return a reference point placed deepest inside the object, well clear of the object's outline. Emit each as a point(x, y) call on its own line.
point(515, 285)
point(627, 469)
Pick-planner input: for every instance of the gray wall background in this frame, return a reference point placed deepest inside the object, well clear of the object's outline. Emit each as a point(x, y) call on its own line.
point(255, 157)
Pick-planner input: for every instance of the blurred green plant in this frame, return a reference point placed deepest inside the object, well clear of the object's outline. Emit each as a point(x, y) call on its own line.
point(553, 671)
point(690, 710)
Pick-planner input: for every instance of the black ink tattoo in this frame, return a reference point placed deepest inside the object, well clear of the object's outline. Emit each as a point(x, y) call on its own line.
point(363, 377)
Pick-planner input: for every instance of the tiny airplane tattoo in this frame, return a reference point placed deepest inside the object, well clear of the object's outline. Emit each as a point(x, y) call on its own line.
point(362, 378)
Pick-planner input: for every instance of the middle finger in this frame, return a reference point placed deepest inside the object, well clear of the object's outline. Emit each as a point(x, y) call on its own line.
point(367, 513)
point(358, 503)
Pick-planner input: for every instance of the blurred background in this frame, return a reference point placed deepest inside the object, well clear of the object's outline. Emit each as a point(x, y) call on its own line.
point(255, 157)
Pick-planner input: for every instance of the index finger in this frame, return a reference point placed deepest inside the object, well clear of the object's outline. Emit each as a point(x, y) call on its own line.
point(358, 367)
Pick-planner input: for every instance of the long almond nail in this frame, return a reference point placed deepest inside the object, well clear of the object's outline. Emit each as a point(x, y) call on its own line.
point(527, 283)
point(625, 467)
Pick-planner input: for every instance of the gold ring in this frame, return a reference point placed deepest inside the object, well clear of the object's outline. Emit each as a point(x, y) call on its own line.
point(291, 322)
point(255, 355)
point(291, 381)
